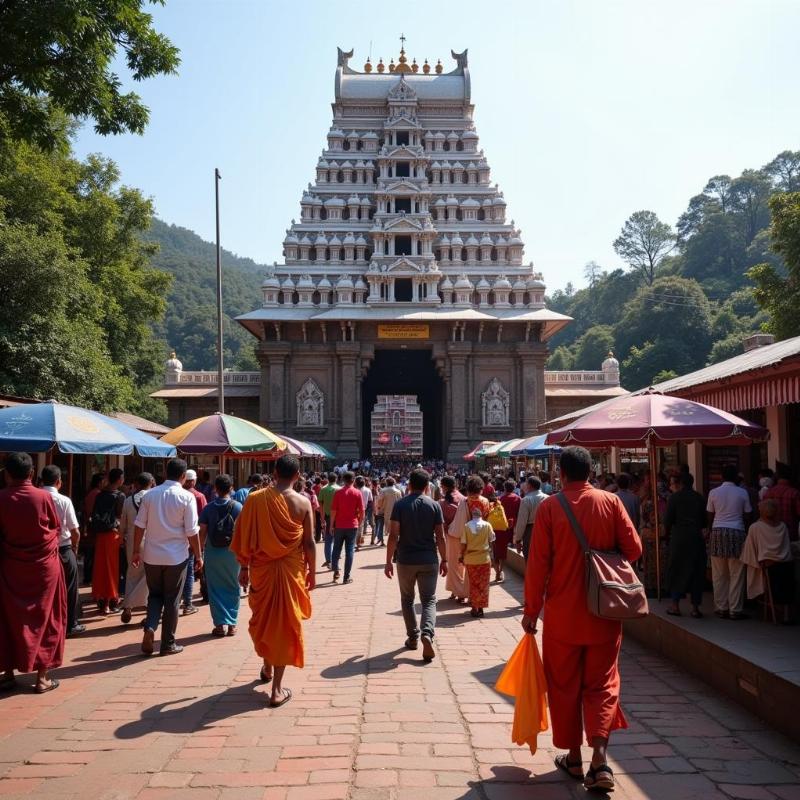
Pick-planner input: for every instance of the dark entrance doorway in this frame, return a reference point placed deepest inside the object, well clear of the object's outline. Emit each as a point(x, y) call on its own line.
point(406, 372)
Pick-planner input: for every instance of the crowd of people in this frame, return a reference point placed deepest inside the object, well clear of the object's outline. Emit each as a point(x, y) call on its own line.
point(143, 544)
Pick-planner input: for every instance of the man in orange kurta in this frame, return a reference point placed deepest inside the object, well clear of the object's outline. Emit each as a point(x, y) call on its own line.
point(274, 544)
point(580, 650)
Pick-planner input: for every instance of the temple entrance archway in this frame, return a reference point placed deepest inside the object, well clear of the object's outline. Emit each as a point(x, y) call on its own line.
point(410, 372)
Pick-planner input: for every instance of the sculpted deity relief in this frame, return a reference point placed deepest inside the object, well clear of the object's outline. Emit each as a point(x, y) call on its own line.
point(310, 405)
point(495, 405)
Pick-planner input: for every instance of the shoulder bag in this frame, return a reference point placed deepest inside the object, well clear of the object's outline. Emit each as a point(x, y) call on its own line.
point(613, 590)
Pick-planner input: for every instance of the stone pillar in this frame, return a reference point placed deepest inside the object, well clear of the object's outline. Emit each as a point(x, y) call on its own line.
point(348, 354)
point(458, 354)
point(777, 445)
point(273, 356)
point(532, 357)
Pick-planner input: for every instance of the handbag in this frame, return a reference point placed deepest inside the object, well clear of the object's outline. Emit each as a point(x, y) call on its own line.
point(497, 517)
point(613, 590)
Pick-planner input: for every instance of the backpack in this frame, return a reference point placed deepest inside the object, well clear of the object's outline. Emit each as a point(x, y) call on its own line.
point(104, 514)
point(497, 517)
point(220, 534)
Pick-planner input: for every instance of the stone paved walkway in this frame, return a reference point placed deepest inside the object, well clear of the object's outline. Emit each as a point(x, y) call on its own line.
point(368, 720)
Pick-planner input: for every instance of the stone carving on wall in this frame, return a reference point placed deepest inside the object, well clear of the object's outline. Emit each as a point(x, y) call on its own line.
point(495, 403)
point(310, 405)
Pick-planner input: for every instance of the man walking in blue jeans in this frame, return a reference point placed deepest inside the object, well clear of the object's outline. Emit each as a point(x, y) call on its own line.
point(347, 514)
point(416, 532)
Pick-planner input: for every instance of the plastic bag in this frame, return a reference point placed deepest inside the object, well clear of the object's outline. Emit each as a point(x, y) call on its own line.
point(523, 678)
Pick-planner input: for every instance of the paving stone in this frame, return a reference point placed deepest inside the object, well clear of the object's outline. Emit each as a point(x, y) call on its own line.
point(368, 720)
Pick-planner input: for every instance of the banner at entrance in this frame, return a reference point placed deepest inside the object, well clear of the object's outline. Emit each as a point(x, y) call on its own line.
point(398, 331)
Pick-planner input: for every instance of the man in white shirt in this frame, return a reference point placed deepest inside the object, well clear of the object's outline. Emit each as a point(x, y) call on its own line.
point(135, 579)
point(168, 515)
point(527, 513)
point(728, 506)
point(67, 545)
point(387, 497)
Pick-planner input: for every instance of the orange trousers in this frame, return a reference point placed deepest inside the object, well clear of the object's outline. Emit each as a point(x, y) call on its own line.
point(583, 688)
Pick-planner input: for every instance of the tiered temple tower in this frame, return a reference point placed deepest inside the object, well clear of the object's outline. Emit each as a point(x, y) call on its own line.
point(403, 251)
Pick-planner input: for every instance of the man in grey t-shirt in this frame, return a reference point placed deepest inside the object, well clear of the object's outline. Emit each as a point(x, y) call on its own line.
point(416, 533)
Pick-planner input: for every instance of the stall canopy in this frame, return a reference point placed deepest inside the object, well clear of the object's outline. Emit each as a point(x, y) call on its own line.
point(304, 449)
point(534, 447)
point(38, 427)
point(222, 434)
point(507, 447)
point(658, 420)
point(479, 450)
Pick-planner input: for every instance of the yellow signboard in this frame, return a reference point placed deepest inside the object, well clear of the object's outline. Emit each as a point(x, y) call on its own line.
point(404, 331)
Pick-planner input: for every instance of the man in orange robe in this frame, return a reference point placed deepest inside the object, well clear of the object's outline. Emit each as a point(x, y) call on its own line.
point(580, 650)
point(274, 544)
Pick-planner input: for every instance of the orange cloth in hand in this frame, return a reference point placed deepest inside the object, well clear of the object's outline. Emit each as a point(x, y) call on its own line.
point(523, 678)
point(270, 542)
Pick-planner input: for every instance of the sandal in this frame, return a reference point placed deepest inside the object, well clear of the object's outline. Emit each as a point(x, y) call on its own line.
point(219, 630)
point(601, 778)
point(231, 630)
point(564, 764)
point(287, 696)
point(264, 678)
point(54, 684)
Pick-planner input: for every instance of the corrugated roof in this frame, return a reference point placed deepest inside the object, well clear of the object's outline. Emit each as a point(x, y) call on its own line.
point(761, 357)
point(141, 424)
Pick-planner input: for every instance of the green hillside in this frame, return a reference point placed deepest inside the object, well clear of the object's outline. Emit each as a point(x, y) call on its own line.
point(189, 324)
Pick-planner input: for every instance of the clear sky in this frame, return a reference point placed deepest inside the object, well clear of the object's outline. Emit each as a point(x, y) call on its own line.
point(587, 110)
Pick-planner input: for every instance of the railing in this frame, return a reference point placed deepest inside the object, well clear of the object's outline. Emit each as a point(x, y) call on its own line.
point(580, 376)
point(210, 378)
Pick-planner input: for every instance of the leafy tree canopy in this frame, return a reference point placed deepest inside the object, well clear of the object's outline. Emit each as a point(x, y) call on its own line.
point(644, 242)
point(778, 292)
point(73, 256)
point(56, 55)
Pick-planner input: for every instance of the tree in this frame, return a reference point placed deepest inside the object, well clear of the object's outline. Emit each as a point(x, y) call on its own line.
point(749, 196)
point(643, 243)
point(92, 230)
point(779, 293)
point(51, 342)
point(56, 55)
point(593, 347)
point(666, 326)
point(784, 170)
point(560, 359)
point(592, 272)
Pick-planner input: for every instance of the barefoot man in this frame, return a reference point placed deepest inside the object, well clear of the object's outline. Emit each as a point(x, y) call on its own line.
point(274, 543)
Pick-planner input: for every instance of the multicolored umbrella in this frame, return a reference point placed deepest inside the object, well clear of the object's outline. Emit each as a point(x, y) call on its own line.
point(38, 427)
point(223, 434)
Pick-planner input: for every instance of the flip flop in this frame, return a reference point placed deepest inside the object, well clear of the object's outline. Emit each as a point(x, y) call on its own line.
point(599, 778)
point(263, 677)
point(563, 763)
point(54, 684)
point(287, 696)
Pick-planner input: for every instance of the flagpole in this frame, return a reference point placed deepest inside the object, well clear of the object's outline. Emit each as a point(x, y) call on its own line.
point(220, 365)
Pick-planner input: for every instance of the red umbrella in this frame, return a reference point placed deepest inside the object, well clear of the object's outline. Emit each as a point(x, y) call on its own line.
point(659, 420)
point(651, 419)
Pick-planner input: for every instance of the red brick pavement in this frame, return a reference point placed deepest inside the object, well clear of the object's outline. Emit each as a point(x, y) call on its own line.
point(368, 720)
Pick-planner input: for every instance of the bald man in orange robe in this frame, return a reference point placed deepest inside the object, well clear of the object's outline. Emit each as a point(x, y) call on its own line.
point(274, 544)
point(580, 651)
